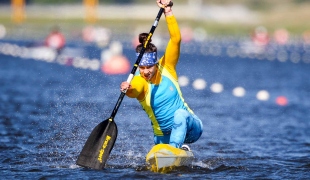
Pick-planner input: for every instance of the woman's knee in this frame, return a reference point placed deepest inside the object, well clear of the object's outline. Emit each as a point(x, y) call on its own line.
point(180, 115)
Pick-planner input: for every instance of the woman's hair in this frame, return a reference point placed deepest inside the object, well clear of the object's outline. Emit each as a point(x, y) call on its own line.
point(150, 46)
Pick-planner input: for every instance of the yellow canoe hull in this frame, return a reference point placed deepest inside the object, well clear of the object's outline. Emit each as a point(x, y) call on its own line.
point(164, 158)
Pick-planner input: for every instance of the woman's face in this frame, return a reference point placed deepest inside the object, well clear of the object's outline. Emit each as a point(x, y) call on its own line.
point(147, 72)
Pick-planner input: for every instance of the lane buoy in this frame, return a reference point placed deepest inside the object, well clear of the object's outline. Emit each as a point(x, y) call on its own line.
point(239, 92)
point(199, 84)
point(117, 64)
point(281, 100)
point(262, 95)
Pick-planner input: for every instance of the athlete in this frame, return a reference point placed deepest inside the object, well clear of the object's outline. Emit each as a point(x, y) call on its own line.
point(158, 91)
point(56, 40)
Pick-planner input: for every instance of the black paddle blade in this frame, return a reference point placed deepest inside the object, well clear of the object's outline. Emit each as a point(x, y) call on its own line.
point(98, 146)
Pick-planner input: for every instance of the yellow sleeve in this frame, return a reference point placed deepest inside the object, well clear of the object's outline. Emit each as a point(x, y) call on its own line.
point(171, 56)
point(138, 88)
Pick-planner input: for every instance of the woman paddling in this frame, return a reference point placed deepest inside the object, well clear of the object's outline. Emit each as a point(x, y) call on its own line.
point(158, 91)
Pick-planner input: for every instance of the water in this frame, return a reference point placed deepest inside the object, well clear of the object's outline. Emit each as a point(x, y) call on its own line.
point(48, 110)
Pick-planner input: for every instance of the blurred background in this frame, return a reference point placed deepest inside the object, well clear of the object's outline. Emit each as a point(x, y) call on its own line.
point(244, 69)
point(229, 17)
point(256, 22)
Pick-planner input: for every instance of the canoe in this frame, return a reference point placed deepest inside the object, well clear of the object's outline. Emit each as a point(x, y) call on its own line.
point(164, 158)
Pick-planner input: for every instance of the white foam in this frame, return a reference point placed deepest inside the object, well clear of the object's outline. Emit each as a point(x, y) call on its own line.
point(74, 166)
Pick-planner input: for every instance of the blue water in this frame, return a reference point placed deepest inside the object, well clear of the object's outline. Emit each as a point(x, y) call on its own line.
point(48, 110)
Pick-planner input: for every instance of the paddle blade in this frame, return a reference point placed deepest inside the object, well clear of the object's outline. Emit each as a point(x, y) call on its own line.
point(98, 146)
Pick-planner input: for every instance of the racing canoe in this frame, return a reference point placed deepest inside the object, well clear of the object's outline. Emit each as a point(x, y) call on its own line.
point(164, 158)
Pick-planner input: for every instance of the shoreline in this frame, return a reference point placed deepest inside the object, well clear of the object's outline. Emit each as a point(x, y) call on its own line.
point(221, 14)
point(215, 19)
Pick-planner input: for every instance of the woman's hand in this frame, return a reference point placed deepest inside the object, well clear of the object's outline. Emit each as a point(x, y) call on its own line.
point(125, 86)
point(164, 4)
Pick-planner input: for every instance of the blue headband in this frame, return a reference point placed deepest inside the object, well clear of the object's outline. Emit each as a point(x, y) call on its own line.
point(148, 59)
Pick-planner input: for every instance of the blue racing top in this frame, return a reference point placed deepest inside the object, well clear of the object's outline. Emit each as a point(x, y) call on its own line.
point(161, 96)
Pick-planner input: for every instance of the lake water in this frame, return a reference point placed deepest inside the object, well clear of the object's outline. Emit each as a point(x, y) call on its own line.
point(47, 111)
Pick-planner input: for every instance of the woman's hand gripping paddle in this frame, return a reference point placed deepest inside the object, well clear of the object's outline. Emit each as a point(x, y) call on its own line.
point(99, 144)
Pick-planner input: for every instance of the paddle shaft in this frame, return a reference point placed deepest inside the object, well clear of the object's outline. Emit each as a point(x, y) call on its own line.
point(101, 140)
point(134, 69)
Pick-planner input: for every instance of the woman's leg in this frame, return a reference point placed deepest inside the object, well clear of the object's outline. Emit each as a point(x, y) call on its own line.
point(161, 139)
point(187, 127)
point(195, 130)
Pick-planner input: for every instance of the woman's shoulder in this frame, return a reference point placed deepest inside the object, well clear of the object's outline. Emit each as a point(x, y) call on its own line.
point(141, 86)
point(138, 80)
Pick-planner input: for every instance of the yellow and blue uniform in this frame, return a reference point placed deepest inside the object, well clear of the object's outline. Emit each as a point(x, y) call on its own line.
point(162, 99)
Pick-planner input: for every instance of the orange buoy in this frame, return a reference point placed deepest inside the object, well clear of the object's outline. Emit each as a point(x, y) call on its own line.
point(117, 64)
point(282, 101)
